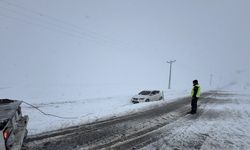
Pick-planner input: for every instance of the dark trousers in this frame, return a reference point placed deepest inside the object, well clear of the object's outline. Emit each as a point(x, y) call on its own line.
point(194, 104)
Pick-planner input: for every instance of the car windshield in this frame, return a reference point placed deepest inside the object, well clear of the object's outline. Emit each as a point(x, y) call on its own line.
point(144, 92)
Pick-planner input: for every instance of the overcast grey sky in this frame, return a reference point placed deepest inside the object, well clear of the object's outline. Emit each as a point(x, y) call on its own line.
point(45, 42)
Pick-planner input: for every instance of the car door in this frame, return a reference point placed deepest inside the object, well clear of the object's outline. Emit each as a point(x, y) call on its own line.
point(153, 96)
point(157, 95)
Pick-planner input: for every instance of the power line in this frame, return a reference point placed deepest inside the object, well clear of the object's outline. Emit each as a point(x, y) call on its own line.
point(66, 25)
point(41, 26)
point(47, 25)
point(39, 14)
point(53, 28)
point(42, 15)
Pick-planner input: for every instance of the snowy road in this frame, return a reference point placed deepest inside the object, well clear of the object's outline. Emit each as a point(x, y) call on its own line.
point(165, 127)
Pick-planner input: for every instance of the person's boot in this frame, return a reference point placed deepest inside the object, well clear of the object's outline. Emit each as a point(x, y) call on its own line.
point(190, 112)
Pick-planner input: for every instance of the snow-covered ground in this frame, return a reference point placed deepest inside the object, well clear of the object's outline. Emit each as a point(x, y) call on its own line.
point(86, 110)
point(226, 128)
point(79, 104)
point(223, 124)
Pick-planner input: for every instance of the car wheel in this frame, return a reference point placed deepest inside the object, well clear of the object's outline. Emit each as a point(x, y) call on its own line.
point(147, 100)
point(161, 98)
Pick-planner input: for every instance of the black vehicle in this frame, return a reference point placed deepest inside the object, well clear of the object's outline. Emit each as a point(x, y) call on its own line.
point(12, 125)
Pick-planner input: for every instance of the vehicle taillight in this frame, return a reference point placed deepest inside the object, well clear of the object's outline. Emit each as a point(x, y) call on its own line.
point(6, 134)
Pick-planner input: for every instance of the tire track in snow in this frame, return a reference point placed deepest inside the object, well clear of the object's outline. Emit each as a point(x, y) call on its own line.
point(112, 132)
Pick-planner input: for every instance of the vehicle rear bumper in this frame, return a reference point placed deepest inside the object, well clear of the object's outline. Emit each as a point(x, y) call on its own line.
point(20, 133)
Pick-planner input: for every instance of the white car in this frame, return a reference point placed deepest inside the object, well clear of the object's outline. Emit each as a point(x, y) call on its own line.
point(147, 96)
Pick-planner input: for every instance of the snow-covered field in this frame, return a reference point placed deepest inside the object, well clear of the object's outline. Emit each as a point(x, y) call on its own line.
point(79, 104)
point(223, 124)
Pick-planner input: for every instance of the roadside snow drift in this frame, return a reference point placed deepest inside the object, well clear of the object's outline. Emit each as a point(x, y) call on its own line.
point(79, 104)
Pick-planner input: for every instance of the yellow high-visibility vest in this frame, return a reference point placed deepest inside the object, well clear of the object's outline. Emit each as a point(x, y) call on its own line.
point(198, 94)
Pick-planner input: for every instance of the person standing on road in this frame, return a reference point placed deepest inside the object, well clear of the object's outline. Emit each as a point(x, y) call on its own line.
point(195, 94)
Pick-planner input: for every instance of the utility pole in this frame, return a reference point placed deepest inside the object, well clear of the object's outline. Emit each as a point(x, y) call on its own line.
point(211, 79)
point(170, 71)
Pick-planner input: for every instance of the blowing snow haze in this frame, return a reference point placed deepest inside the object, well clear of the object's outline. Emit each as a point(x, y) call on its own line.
point(124, 43)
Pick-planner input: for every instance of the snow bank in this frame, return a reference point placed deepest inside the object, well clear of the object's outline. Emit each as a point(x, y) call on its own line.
point(80, 103)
